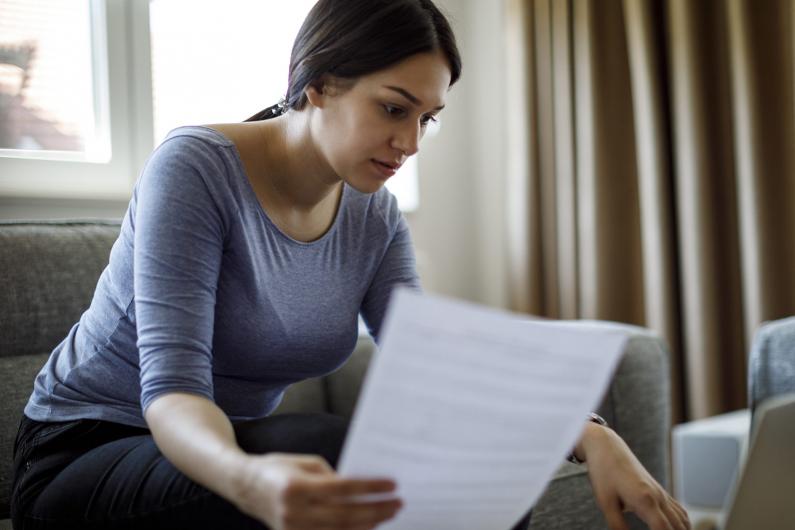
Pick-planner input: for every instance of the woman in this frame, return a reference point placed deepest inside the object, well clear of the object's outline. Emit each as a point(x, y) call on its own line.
point(246, 254)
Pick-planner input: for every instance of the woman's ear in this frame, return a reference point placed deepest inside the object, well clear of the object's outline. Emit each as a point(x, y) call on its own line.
point(327, 86)
point(316, 93)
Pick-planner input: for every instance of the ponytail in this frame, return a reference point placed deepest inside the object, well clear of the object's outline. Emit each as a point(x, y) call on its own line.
point(270, 112)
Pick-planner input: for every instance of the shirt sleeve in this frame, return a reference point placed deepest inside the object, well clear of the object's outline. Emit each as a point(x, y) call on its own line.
point(397, 268)
point(178, 245)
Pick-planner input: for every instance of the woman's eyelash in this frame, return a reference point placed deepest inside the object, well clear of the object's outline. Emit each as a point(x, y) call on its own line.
point(392, 110)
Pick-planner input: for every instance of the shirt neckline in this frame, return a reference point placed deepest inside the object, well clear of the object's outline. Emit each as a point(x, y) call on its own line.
point(252, 195)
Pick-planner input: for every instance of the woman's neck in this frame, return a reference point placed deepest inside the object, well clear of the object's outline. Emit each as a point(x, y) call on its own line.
point(296, 171)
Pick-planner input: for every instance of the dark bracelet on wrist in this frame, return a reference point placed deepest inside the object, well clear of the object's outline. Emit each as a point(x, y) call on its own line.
point(595, 418)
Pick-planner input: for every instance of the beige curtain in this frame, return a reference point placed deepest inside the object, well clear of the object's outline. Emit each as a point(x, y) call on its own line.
point(652, 174)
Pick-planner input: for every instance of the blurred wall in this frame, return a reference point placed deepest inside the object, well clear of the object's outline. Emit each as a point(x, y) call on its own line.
point(459, 229)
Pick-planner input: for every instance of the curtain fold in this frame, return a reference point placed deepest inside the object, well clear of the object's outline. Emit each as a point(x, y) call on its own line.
point(705, 181)
point(763, 54)
point(652, 175)
point(652, 139)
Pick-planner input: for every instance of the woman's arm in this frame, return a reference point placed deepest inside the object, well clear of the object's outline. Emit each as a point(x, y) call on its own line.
point(283, 491)
point(397, 268)
point(197, 437)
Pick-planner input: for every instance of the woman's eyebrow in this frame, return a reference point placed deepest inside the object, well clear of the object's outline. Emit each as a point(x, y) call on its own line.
point(409, 96)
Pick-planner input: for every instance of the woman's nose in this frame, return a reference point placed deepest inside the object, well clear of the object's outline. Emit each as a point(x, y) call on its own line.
point(407, 139)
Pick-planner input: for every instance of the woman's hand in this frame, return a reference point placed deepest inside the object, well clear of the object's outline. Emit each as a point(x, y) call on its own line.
point(295, 492)
point(620, 483)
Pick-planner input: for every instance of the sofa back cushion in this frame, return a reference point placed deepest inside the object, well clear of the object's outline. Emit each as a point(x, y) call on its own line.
point(48, 273)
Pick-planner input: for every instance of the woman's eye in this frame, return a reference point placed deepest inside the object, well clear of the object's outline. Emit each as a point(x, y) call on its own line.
point(398, 112)
point(428, 119)
point(393, 111)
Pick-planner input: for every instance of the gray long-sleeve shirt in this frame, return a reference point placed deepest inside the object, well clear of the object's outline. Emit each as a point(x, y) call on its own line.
point(204, 294)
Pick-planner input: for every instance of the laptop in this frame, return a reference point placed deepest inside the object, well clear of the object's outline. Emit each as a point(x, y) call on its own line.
point(764, 497)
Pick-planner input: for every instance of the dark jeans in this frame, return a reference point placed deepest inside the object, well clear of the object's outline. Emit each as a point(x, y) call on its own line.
point(92, 474)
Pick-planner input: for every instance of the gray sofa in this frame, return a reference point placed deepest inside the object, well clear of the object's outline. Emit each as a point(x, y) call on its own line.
point(48, 271)
point(771, 363)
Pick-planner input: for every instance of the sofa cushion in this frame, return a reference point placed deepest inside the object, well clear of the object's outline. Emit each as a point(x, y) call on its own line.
point(50, 271)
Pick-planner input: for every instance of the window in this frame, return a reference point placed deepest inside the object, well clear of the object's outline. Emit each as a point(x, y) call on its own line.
point(49, 104)
point(64, 135)
point(165, 63)
point(230, 61)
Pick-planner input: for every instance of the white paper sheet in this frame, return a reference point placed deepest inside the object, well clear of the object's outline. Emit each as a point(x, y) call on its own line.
point(472, 410)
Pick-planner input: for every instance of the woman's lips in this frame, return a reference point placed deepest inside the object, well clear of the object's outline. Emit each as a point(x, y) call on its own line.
point(384, 169)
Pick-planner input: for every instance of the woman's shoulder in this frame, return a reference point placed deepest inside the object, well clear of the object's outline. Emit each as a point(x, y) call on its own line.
point(227, 133)
point(201, 148)
point(192, 160)
point(197, 135)
point(192, 144)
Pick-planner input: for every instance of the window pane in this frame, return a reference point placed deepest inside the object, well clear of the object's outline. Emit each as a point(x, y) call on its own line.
point(229, 61)
point(47, 96)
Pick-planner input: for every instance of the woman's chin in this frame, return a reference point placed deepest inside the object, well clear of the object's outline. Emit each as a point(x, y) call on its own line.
point(367, 186)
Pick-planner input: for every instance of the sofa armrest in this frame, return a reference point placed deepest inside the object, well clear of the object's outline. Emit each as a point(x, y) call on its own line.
point(637, 406)
point(637, 401)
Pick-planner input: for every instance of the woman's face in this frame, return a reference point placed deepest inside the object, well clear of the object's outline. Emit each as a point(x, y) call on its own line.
point(366, 131)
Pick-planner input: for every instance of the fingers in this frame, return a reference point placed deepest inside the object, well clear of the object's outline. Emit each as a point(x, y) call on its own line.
point(658, 516)
point(321, 481)
point(664, 514)
point(677, 515)
point(325, 488)
point(614, 517)
point(669, 514)
point(351, 514)
point(312, 464)
point(329, 503)
point(684, 517)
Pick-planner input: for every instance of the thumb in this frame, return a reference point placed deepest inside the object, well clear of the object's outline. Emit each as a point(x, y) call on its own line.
point(315, 464)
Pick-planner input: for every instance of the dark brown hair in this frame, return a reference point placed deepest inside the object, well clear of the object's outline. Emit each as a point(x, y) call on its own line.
point(351, 38)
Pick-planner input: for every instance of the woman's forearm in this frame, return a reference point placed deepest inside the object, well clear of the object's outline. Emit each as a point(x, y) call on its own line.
point(280, 490)
point(196, 436)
